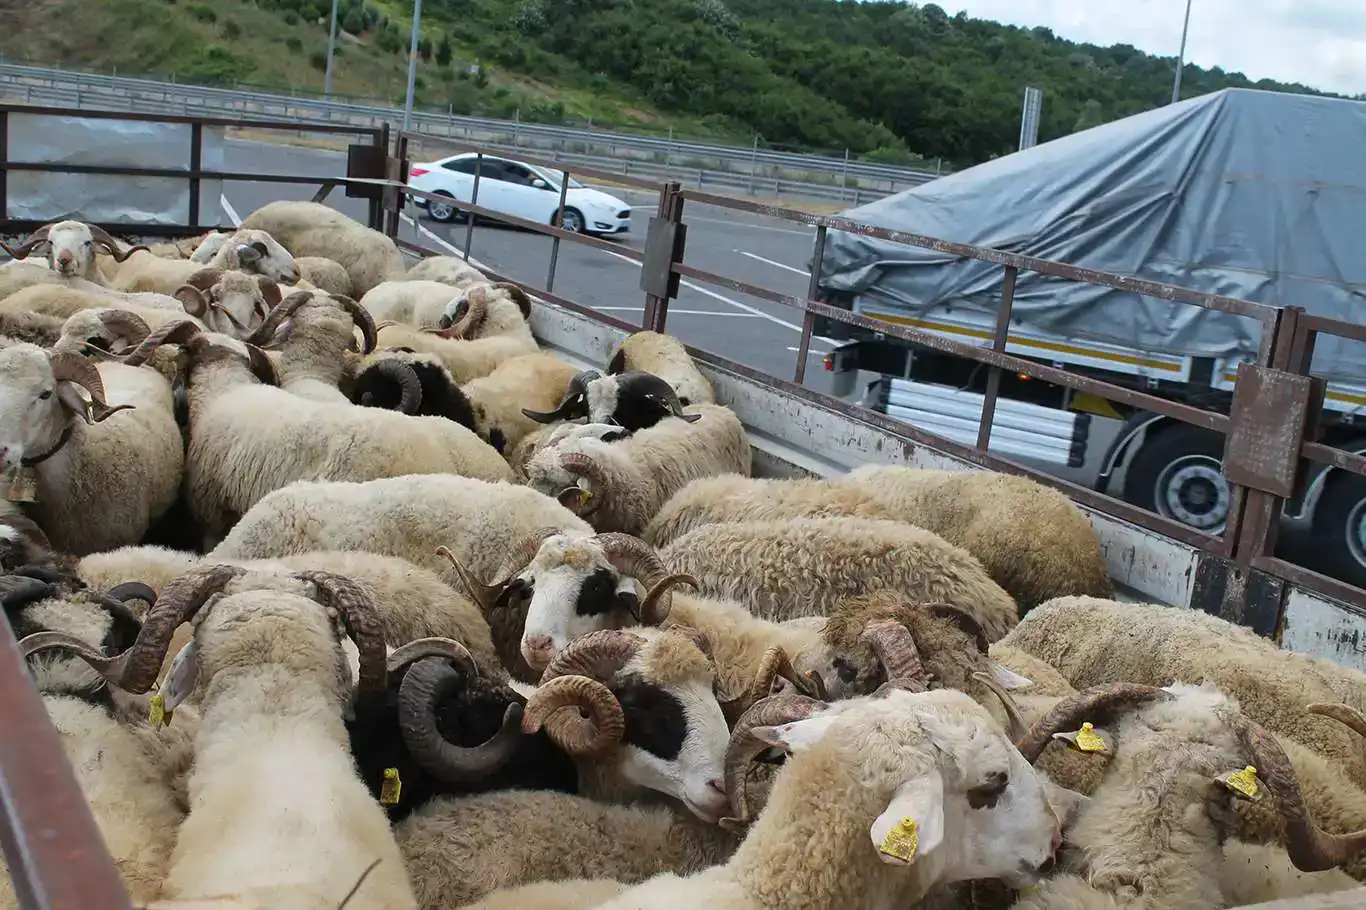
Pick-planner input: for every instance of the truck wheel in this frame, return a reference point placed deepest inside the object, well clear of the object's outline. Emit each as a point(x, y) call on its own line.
point(1339, 529)
point(1176, 473)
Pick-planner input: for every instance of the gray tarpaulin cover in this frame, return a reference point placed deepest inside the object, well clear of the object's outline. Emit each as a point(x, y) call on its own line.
point(1248, 194)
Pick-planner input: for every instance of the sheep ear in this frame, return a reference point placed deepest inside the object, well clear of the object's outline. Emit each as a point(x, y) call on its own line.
point(181, 678)
point(1009, 678)
point(1067, 805)
point(1089, 739)
point(798, 735)
point(913, 823)
point(248, 254)
point(575, 499)
point(192, 299)
point(71, 399)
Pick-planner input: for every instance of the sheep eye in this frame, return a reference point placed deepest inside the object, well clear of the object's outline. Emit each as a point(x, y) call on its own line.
point(45, 395)
point(985, 796)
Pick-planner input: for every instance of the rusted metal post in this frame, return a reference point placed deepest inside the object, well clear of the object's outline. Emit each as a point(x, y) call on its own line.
point(665, 243)
point(53, 848)
point(998, 344)
point(555, 241)
point(196, 163)
point(474, 200)
point(809, 318)
point(4, 159)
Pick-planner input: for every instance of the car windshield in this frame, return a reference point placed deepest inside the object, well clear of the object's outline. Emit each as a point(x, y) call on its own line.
point(553, 178)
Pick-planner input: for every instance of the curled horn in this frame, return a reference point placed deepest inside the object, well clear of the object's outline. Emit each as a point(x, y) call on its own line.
point(406, 378)
point(584, 465)
point(745, 746)
point(597, 655)
point(572, 405)
point(287, 308)
point(518, 296)
point(427, 684)
point(415, 650)
point(1019, 728)
point(38, 642)
point(1069, 713)
point(897, 652)
point(774, 665)
point(16, 590)
point(101, 236)
point(125, 323)
point(657, 389)
point(1344, 714)
point(177, 332)
point(358, 614)
point(363, 320)
point(262, 367)
point(518, 557)
point(1310, 848)
point(31, 241)
point(136, 669)
point(476, 316)
point(69, 367)
point(634, 557)
point(658, 602)
point(205, 278)
point(132, 590)
point(964, 620)
point(559, 705)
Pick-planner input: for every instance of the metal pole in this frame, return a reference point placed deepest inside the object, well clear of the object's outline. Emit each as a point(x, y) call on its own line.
point(331, 46)
point(1181, 56)
point(412, 64)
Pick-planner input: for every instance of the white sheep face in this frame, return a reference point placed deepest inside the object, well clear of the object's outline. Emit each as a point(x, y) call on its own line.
point(946, 774)
point(234, 305)
point(250, 251)
point(676, 735)
point(34, 407)
point(71, 249)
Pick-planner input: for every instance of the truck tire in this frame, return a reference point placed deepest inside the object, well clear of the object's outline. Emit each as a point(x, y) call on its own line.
point(1339, 529)
point(1177, 474)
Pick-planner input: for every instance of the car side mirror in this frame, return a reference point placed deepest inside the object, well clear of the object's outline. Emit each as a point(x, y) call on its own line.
point(539, 183)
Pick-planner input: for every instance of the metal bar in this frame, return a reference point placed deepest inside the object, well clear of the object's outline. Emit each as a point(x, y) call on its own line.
point(1352, 330)
point(555, 242)
point(53, 848)
point(998, 344)
point(196, 162)
point(809, 319)
point(474, 200)
point(324, 191)
point(1312, 581)
point(282, 125)
point(4, 157)
point(181, 174)
point(1210, 420)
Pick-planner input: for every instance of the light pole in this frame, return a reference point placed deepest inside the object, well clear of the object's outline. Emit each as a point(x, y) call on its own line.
point(412, 64)
point(1181, 56)
point(331, 45)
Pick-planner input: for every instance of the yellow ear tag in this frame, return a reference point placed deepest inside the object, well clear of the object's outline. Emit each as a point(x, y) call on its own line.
point(1243, 782)
point(902, 841)
point(156, 714)
point(1088, 740)
point(391, 788)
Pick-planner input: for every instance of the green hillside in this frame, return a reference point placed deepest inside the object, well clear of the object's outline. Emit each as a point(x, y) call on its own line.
point(889, 81)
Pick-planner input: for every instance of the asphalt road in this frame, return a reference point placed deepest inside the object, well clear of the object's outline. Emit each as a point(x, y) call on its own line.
point(758, 250)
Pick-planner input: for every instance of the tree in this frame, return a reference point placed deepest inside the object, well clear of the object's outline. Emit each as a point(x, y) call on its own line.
point(424, 49)
point(443, 51)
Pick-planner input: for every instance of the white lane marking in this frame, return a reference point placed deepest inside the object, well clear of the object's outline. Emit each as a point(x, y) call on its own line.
point(771, 262)
point(442, 242)
point(726, 300)
point(673, 312)
point(229, 210)
point(810, 353)
point(748, 225)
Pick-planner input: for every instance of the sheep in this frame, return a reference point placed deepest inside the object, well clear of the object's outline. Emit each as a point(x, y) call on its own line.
point(981, 512)
point(733, 497)
point(130, 772)
point(325, 275)
point(802, 567)
point(1257, 873)
point(384, 382)
point(1092, 641)
point(313, 229)
point(248, 250)
point(90, 484)
point(620, 485)
point(319, 335)
point(25, 325)
point(633, 401)
point(653, 726)
point(421, 304)
point(108, 329)
point(449, 270)
point(248, 438)
point(409, 517)
point(1155, 827)
point(499, 399)
point(70, 248)
point(229, 302)
point(275, 685)
point(928, 777)
point(154, 566)
point(487, 326)
point(145, 271)
point(666, 357)
point(66, 300)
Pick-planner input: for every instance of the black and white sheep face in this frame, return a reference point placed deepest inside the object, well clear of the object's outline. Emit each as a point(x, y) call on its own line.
point(950, 791)
point(675, 742)
point(574, 591)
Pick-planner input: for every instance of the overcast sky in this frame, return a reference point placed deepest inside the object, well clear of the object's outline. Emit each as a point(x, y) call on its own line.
point(1321, 43)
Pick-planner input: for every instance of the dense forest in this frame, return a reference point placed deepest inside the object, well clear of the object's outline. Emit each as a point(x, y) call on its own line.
point(889, 81)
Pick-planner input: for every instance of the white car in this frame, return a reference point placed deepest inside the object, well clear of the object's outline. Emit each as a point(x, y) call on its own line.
point(519, 189)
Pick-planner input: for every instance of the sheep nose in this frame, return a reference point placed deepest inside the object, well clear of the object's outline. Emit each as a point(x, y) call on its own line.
point(718, 785)
point(537, 650)
point(1046, 867)
point(1057, 840)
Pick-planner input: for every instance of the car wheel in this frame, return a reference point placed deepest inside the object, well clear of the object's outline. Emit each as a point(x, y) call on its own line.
point(572, 221)
point(1339, 529)
point(441, 211)
point(1177, 474)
